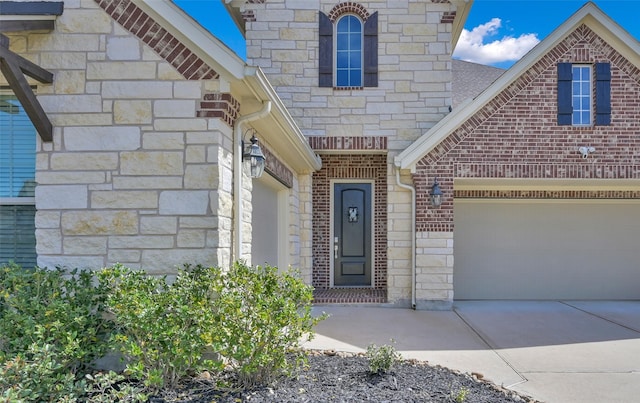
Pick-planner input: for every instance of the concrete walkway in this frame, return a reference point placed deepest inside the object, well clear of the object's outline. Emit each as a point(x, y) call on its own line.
point(556, 352)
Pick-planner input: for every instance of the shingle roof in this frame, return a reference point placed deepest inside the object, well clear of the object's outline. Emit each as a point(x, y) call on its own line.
point(470, 79)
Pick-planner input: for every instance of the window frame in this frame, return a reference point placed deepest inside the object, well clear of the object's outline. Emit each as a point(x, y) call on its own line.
point(14, 199)
point(586, 71)
point(600, 90)
point(336, 51)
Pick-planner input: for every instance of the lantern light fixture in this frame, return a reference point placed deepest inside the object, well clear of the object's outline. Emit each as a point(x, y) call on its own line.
point(253, 156)
point(436, 194)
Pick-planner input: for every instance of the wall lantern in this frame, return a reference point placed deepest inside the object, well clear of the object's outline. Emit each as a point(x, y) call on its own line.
point(436, 194)
point(254, 156)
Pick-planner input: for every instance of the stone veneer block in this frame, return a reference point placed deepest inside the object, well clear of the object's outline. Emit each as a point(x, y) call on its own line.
point(137, 90)
point(85, 245)
point(158, 225)
point(84, 161)
point(61, 197)
point(123, 48)
point(121, 70)
point(191, 202)
point(151, 163)
point(201, 177)
point(114, 138)
point(132, 112)
point(98, 222)
point(124, 199)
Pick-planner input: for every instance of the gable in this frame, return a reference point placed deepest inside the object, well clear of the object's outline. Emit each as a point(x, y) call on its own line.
point(529, 104)
point(614, 42)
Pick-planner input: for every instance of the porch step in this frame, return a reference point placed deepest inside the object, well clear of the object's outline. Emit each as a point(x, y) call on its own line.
point(349, 296)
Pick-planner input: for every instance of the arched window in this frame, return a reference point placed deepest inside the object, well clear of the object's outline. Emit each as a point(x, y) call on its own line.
point(348, 52)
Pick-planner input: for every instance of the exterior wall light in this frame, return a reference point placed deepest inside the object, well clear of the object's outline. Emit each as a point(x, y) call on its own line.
point(254, 156)
point(436, 194)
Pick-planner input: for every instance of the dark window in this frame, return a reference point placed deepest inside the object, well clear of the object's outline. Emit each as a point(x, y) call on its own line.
point(576, 94)
point(349, 52)
point(353, 60)
point(17, 184)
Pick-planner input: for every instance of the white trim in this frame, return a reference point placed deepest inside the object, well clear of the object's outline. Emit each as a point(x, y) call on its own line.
point(333, 182)
point(335, 52)
point(17, 201)
point(283, 220)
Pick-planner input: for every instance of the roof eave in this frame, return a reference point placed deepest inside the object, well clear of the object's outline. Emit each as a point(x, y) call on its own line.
point(300, 155)
point(200, 41)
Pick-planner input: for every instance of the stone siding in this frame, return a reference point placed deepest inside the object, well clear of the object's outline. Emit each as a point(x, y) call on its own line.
point(134, 175)
point(414, 53)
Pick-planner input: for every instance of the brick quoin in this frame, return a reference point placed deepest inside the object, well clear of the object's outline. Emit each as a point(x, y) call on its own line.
point(352, 167)
point(516, 136)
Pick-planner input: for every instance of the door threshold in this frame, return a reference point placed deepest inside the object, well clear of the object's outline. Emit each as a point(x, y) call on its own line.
point(349, 295)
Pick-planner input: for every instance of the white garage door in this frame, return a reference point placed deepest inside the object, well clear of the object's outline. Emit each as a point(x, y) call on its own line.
point(547, 250)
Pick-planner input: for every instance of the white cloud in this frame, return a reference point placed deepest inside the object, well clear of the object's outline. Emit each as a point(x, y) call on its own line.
point(472, 47)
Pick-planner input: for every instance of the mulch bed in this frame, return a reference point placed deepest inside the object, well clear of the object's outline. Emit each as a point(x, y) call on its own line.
point(343, 377)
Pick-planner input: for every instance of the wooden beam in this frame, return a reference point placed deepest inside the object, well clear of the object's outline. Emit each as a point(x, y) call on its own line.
point(26, 25)
point(18, 83)
point(31, 7)
point(28, 67)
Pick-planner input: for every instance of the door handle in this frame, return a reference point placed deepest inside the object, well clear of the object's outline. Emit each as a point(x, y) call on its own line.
point(335, 247)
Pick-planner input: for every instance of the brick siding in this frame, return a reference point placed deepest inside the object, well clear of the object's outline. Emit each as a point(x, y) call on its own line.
point(516, 135)
point(355, 167)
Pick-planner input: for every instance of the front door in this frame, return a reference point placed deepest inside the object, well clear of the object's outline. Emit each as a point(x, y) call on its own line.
point(352, 234)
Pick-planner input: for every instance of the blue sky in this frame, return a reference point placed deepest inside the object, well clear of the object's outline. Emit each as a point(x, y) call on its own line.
point(497, 32)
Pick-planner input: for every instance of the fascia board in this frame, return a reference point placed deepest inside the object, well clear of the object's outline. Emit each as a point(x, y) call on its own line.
point(195, 36)
point(462, 13)
point(588, 14)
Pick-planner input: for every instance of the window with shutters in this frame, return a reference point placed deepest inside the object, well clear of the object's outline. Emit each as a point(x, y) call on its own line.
point(17, 183)
point(583, 94)
point(348, 71)
point(348, 51)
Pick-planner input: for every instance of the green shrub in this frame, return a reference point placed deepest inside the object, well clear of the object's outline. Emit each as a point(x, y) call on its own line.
point(382, 359)
point(163, 330)
point(107, 387)
point(262, 316)
point(51, 330)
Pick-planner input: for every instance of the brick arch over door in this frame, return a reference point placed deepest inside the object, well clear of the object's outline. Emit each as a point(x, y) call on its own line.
point(516, 135)
point(352, 167)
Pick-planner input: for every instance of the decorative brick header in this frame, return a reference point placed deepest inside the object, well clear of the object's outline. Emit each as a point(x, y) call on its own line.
point(448, 17)
point(547, 194)
point(355, 143)
point(348, 7)
point(167, 46)
point(276, 168)
point(223, 106)
point(584, 169)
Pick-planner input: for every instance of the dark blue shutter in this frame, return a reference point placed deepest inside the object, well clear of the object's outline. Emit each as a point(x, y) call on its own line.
point(325, 53)
point(603, 93)
point(565, 108)
point(371, 51)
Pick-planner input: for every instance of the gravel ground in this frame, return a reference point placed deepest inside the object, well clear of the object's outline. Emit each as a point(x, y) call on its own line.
point(338, 377)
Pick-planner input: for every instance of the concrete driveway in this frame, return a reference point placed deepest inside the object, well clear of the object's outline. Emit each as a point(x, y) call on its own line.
point(553, 351)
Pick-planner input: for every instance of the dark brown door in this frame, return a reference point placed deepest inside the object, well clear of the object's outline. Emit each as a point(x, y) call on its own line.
point(352, 234)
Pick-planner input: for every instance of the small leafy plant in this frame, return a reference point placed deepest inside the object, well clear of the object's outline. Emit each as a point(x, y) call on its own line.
point(51, 329)
point(383, 358)
point(262, 316)
point(163, 330)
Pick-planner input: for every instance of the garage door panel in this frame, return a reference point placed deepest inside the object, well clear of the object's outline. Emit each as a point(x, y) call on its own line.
point(546, 250)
